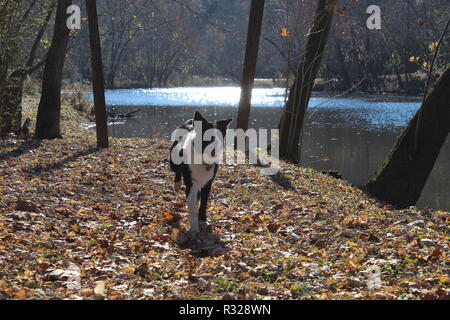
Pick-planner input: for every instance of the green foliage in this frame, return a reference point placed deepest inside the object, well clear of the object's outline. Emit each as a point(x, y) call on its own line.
point(78, 100)
point(18, 19)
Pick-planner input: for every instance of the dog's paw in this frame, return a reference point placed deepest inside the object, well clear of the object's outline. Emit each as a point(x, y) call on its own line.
point(177, 185)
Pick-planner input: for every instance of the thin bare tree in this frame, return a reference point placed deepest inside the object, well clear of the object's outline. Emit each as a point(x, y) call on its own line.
point(97, 75)
point(291, 124)
point(251, 59)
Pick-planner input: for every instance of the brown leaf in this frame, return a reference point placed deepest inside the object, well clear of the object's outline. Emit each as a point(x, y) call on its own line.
point(429, 296)
point(42, 266)
point(142, 270)
point(27, 206)
point(179, 237)
point(19, 293)
point(87, 292)
point(273, 227)
point(170, 217)
point(373, 237)
point(436, 254)
point(321, 244)
point(422, 23)
point(443, 294)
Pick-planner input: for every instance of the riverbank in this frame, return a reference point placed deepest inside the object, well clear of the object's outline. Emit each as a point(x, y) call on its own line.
point(389, 85)
point(78, 223)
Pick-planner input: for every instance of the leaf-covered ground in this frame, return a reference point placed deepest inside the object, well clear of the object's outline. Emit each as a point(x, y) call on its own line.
point(77, 223)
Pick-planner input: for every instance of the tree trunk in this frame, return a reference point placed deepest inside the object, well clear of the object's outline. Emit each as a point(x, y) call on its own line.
point(97, 76)
point(251, 58)
point(403, 175)
point(48, 118)
point(291, 125)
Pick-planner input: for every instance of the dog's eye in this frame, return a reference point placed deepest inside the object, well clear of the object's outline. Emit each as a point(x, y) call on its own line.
point(213, 139)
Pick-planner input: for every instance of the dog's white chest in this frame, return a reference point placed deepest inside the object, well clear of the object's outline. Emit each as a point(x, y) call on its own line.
point(201, 174)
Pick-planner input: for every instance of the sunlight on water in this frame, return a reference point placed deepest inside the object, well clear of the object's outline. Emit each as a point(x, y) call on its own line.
point(373, 111)
point(193, 96)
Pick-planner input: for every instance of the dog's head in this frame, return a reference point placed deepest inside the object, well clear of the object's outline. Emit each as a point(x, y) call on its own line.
point(212, 133)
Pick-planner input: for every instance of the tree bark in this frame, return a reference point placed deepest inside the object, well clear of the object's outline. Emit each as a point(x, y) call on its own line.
point(401, 178)
point(251, 58)
point(97, 76)
point(291, 124)
point(49, 112)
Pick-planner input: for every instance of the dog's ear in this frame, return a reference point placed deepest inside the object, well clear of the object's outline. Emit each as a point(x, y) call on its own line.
point(224, 123)
point(199, 117)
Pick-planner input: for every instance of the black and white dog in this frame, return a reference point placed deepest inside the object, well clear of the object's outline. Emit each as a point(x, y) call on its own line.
point(195, 158)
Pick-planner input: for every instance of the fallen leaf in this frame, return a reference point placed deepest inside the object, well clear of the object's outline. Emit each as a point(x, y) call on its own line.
point(27, 206)
point(273, 227)
point(179, 237)
point(170, 217)
point(100, 289)
point(129, 269)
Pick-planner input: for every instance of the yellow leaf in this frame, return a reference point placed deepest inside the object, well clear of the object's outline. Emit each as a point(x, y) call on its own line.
point(444, 279)
point(433, 46)
point(100, 289)
point(284, 32)
point(323, 296)
point(352, 263)
point(128, 270)
point(351, 244)
point(341, 283)
point(28, 273)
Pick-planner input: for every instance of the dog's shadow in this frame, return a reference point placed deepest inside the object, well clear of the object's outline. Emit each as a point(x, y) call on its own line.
point(203, 244)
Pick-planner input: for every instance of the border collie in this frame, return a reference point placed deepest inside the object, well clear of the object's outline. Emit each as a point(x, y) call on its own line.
point(197, 163)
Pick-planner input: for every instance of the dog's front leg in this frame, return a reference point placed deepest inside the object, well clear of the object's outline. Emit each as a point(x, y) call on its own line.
point(192, 204)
